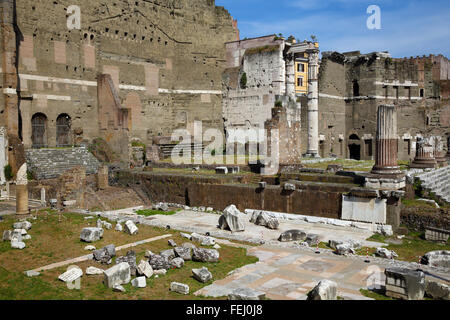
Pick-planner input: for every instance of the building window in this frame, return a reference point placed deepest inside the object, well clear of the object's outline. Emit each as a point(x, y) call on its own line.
point(356, 88)
point(386, 92)
point(422, 93)
point(38, 130)
point(396, 92)
point(300, 82)
point(409, 92)
point(300, 67)
point(63, 124)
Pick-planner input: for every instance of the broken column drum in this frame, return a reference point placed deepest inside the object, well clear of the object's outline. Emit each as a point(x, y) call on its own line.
point(386, 157)
point(22, 190)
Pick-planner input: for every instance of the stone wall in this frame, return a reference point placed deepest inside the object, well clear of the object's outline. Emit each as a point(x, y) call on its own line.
point(261, 60)
point(165, 59)
point(353, 85)
point(51, 163)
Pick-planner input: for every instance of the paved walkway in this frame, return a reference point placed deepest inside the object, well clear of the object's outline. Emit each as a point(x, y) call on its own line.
point(289, 274)
point(202, 222)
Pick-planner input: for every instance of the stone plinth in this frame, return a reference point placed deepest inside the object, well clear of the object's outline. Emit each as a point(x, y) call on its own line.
point(424, 156)
point(386, 156)
point(405, 284)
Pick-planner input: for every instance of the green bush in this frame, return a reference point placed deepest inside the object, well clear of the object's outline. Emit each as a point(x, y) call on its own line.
point(278, 103)
point(8, 172)
point(244, 81)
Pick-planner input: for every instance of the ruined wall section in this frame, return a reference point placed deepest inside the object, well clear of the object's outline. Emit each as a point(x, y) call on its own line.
point(332, 90)
point(165, 59)
point(261, 60)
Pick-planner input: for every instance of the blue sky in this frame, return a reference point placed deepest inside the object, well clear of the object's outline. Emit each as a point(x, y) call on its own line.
point(408, 27)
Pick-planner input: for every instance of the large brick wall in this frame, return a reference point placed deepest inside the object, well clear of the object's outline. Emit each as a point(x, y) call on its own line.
point(165, 59)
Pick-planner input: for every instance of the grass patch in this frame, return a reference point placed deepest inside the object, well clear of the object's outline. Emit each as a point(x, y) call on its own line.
point(149, 213)
point(54, 241)
point(413, 246)
point(374, 295)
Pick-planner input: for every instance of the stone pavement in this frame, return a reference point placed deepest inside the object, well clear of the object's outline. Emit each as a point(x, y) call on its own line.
point(202, 222)
point(289, 274)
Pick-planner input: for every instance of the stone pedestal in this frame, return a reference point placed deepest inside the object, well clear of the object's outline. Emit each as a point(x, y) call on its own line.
point(386, 156)
point(22, 190)
point(424, 155)
point(313, 104)
point(439, 153)
point(102, 178)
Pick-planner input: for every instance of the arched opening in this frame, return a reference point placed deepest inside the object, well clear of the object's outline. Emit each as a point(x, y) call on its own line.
point(354, 147)
point(39, 131)
point(63, 124)
point(355, 88)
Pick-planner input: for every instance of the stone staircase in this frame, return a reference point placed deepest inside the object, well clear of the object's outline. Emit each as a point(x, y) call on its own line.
point(437, 182)
point(51, 163)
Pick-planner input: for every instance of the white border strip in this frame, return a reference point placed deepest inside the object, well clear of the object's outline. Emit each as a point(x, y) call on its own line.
point(122, 86)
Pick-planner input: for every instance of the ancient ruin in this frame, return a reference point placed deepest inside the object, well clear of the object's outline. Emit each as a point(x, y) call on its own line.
point(322, 161)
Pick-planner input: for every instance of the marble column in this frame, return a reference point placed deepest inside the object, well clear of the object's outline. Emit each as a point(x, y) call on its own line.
point(386, 154)
point(313, 104)
point(22, 190)
point(424, 155)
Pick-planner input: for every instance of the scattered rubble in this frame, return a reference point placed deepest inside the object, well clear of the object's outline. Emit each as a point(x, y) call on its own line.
point(246, 294)
point(324, 290)
point(144, 269)
point(93, 271)
point(292, 235)
point(184, 253)
point(437, 290)
point(131, 228)
point(118, 275)
point(130, 259)
point(139, 282)
point(91, 234)
point(202, 275)
point(159, 262)
point(231, 220)
point(405, 284)
point(437, 258)
point(260, 218)
point(105, 254)
point(179, 288)
point(385, 253)
point(205, 255)
point(73, 273)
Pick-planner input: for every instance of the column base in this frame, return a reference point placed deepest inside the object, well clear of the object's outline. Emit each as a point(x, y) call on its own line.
point(312, 155)
point(424, 163)
point(386, 171)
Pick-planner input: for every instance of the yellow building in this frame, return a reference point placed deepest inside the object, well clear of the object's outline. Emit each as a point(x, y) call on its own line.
point(301, 75)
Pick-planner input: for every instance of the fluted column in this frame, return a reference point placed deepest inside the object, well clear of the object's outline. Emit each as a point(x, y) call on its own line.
point(386, 155)
point(313, 103)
